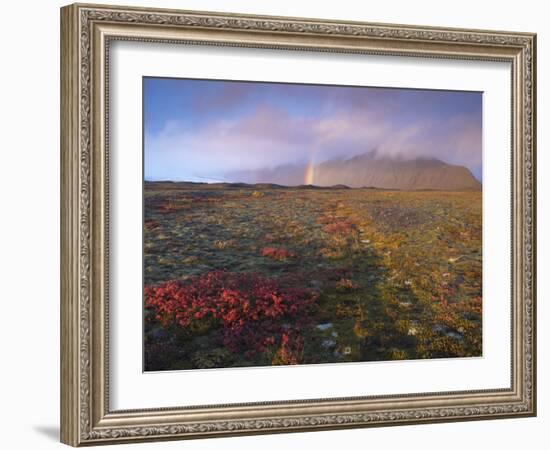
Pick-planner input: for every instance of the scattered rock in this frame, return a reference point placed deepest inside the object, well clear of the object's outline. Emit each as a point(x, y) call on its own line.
point(455, 335)
point(316, 284)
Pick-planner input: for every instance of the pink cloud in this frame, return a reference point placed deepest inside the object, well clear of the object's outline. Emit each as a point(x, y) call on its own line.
point(269, 137)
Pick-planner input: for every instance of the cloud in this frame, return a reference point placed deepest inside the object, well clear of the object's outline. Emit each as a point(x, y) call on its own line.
point(267, 138)
point(457, 140)
point(230, 96)
point(268, 135)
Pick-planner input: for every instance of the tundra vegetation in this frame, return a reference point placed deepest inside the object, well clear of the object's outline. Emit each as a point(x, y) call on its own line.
point(251, 275)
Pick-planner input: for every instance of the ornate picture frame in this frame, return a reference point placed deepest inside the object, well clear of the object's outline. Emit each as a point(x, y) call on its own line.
point(87, 31)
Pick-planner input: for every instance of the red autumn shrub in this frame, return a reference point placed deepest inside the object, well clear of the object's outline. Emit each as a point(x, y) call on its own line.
point(342, 226)
point(277, 253)
point(290, 350)
point(166, 207)
point(345, 285)
point(253, 312)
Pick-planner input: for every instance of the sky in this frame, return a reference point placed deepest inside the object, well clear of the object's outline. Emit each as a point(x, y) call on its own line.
point(204, 130)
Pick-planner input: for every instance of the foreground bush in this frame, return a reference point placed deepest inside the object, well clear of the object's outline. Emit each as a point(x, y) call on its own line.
point(255, 314)
point(277, 253)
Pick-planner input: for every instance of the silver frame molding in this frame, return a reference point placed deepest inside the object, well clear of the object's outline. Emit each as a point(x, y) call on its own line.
point(86, 33)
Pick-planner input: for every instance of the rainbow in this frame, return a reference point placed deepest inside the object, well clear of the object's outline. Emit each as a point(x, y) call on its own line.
point(309, 173)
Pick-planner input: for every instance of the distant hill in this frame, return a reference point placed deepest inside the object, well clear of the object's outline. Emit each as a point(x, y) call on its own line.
point(369, 171)
point(193, 185)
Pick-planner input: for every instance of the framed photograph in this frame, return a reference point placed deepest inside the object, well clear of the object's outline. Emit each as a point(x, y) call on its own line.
point(275, 224)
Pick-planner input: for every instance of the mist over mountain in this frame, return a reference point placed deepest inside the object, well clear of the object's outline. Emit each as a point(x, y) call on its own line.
point(367, 170)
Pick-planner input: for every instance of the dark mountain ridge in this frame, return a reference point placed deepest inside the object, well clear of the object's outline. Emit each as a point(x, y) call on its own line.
point(367, 170)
